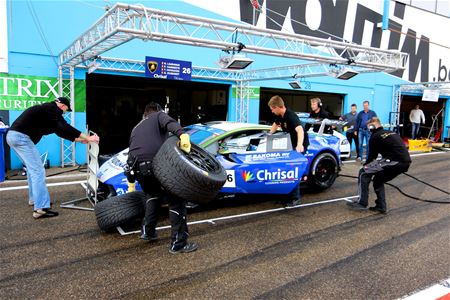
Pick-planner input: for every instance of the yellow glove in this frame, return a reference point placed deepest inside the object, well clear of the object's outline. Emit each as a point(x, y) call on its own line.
point(185, 143)
point(131, 187)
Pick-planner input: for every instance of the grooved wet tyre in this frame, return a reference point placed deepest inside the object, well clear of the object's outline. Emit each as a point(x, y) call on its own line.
point(323, 171)
point(195, 177)
point(118, 210)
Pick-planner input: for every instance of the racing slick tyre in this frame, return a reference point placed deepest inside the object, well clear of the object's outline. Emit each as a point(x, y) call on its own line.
point(196, 176)
point(323, 171)
point(120, 209)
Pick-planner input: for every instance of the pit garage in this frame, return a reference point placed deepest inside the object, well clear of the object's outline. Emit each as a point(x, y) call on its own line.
point(114, 104)
point(430, 110)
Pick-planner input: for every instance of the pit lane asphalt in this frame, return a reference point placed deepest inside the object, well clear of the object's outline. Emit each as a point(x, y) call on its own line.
point(313, 252)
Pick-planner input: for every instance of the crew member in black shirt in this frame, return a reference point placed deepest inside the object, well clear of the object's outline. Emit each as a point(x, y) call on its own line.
point(394, 160)
point(318, 112)
point(26, 131)
point(289, 122)
point(145, 140)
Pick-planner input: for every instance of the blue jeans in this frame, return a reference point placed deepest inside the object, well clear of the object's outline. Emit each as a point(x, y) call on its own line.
point(415, 130)
point(29, 155)
point(363, 134)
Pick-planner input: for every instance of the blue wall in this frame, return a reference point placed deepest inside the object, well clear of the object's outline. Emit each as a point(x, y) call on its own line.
point(63, 21)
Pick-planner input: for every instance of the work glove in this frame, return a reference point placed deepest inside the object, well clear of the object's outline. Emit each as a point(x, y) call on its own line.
point(131, 186)
point(185, 143)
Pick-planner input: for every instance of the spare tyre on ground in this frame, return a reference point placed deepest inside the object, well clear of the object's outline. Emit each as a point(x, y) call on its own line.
point(196, 176)
point(119, 210)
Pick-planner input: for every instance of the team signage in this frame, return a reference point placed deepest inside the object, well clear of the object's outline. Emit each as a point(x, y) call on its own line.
point(19, 92)
point(163, 68)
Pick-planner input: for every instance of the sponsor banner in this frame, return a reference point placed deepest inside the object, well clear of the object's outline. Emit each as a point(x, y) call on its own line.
point(164, 68)
point(18, 92)
point(253, 93)
point(419, 33)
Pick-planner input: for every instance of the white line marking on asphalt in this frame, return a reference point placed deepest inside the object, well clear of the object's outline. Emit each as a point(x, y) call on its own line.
point(436, 291)
point(49, 177)
point(213, 220)
point(48, 184)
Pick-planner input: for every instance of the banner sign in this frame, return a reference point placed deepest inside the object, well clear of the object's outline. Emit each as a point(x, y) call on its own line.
point(19, 92)
point(163, 68)
point(253, 93)
point(430, 95)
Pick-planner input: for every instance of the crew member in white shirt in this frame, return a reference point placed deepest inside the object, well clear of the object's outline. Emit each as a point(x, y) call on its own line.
point(416, 117)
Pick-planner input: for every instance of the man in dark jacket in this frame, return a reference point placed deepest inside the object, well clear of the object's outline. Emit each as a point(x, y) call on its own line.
point(318, 112)
point(394, 160)
point(145, 140)
point(26, 131)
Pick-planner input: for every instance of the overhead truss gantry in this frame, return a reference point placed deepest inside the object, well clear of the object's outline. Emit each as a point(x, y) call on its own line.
point(123, 23)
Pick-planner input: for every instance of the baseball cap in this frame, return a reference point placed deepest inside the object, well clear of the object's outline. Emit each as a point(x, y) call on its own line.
point(65, 101)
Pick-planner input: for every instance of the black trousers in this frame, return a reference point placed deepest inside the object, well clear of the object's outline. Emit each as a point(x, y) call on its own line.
point(177, 211)
point(352, 137)
point(379, 171)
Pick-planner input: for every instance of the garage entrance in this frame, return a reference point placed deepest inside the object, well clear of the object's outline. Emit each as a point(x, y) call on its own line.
point(298, 101)
point(114, 104)
point(429, 109)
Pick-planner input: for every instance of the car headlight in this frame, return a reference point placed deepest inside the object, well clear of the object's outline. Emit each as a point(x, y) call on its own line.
point(344, 142)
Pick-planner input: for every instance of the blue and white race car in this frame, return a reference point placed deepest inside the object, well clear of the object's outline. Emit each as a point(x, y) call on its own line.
point(255, 161)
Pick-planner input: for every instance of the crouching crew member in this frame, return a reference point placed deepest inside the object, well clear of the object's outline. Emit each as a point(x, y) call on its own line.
point(394, 160)
point(145, 141)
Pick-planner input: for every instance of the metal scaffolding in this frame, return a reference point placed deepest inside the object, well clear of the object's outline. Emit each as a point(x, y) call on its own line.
point(123, 23)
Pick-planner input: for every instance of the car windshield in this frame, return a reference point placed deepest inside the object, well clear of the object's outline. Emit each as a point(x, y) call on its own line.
point(202, 134)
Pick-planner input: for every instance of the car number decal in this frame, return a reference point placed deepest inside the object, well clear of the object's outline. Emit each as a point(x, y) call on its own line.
point(231, 181)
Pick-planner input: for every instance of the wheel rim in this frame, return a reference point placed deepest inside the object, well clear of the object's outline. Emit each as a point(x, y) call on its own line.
point(325, 170)
point(202, 160)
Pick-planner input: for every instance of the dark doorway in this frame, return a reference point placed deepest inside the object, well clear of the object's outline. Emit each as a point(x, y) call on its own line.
point(114, 104)
point(298, 101)
point(430, 110)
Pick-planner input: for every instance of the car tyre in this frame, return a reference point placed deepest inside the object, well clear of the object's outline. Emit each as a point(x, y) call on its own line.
point(323, 171)
point(196, 176)
point(119, 210)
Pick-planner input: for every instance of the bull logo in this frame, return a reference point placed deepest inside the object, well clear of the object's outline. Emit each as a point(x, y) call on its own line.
point(152, 66)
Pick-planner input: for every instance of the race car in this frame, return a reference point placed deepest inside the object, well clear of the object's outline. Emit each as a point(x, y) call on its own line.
point(255, 161)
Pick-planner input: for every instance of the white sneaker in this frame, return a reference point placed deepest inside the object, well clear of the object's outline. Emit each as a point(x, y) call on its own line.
point(30, 202)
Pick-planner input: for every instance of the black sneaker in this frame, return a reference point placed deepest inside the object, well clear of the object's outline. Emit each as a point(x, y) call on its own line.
point(378, 209)
point(148, 238)
point(293, 203)
point(356, 206)
point(189, 247)
point(44, 213)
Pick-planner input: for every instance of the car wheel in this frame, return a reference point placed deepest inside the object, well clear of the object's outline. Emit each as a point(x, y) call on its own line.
point(196, 176)
point(118, 210)
point(323, 172)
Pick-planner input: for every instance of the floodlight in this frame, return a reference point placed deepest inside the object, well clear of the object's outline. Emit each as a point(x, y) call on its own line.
point(295, 84)
point(346, 74)
point(235, 62)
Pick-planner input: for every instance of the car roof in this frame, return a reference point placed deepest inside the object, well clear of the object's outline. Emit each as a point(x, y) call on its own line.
point(231, 126)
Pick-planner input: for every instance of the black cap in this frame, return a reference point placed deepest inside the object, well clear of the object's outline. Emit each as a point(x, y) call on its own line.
point(65, 101)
